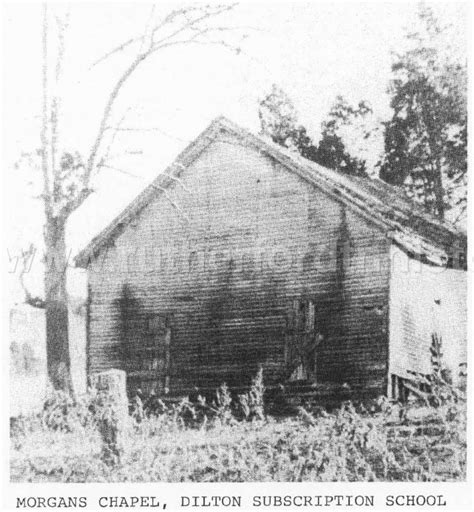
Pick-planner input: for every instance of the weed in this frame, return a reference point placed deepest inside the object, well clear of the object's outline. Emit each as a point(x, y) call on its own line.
point(197, 441)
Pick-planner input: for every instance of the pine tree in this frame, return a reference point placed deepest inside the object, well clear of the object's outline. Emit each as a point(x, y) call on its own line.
point(331, 151)
point(426, 137)
point(279, 121)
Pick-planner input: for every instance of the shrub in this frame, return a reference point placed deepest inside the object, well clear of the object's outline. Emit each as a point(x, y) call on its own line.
point(251, 405)
point(65, 413)
point(223, 405)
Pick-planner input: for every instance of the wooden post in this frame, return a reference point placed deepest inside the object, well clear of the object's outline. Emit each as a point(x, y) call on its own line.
point(112, 413)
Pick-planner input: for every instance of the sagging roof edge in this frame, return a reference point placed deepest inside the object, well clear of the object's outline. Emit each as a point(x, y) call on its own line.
point(411, 241)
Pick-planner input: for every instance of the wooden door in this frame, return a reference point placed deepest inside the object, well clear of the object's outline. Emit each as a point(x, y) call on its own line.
point(301, 341)
point(159, 332)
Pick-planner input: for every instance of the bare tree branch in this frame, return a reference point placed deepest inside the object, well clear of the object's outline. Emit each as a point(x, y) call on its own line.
point(118, 49)
point(202, 14)
point(180, 182)
point(106, 114)
point(126, 44)
point(27, 257)
point(118, 169)
point(148, 27)
point(191, 30)
point(44, 125)
point(114, 135)
point(129, 173)
point(207, 13)
point(222, 43)
point(190, 23)
point(157, 187)
point(149, 129)
point(173, 203)
point(461, 214)
point(55, 103)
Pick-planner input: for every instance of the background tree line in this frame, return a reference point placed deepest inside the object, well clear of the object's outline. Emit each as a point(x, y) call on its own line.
point(425, 139)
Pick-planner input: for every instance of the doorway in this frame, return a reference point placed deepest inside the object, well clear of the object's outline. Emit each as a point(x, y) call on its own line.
point(301, 341)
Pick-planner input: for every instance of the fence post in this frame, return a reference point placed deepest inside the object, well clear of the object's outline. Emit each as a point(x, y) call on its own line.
point(112, 413)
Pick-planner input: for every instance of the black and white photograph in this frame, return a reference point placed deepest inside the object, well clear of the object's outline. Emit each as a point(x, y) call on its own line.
point(235, 251)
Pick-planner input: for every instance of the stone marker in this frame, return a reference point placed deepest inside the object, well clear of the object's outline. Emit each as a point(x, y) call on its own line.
point(112, 412)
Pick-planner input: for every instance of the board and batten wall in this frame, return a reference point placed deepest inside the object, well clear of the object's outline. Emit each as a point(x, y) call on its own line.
point(426, 300)
point(224, 255)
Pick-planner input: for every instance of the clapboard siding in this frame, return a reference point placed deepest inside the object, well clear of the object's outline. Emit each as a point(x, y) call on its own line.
point(224, 252)
point(426, 300)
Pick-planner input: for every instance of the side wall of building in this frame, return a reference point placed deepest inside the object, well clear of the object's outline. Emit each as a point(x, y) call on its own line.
point(426, 300)
point(242, 264)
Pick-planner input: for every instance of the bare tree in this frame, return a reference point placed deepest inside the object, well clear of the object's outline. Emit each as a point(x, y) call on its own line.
point(67, 177)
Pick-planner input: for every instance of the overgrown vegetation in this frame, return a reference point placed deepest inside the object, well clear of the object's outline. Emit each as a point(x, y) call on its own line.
point(232, 439)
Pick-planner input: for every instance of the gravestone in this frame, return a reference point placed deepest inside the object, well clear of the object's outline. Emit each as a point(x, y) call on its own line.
point(112, 413)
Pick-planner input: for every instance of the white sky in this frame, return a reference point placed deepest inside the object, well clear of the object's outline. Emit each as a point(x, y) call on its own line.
point(314, 51)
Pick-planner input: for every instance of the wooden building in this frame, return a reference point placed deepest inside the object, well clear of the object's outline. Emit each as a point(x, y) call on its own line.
point(244, 255)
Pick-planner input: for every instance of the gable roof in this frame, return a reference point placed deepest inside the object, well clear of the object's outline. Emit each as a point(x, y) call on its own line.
point(407, 224)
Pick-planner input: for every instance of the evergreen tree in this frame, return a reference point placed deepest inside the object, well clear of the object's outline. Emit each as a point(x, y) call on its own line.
point(331, 151)
point(279, 121)
point(426, 138)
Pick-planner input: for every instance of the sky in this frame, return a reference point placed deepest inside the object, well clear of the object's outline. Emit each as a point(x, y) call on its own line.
point(314, 51)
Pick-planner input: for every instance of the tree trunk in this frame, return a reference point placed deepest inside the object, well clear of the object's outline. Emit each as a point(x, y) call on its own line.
point(439, 191)
point(57, 338)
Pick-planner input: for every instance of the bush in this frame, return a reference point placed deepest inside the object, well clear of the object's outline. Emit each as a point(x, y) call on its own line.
point(251, 404)
point(66, 413)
